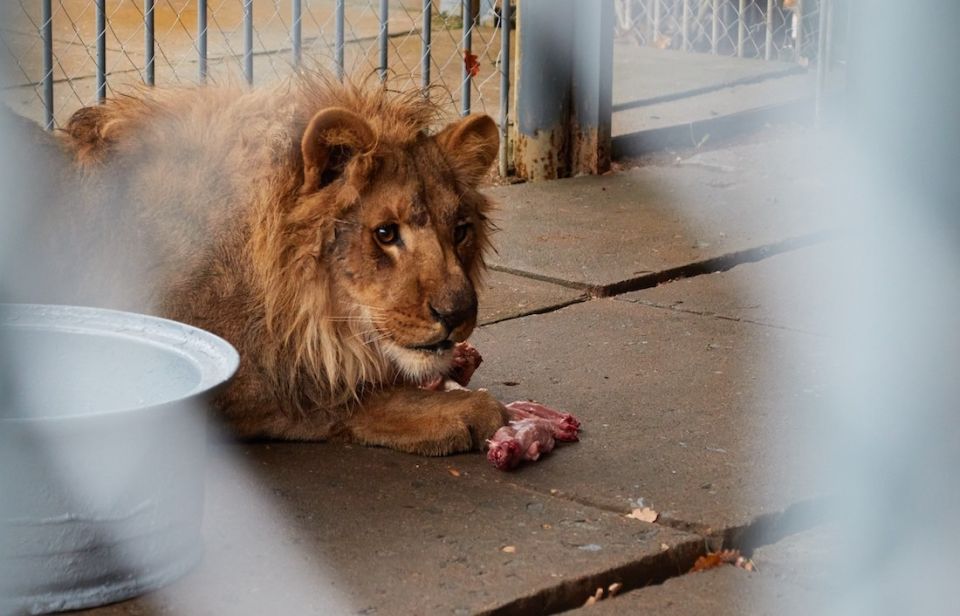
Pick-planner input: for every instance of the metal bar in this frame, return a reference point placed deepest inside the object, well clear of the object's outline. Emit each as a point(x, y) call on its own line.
point(768, 42)
point(149, 49)
point(383, 38)
point(504, 87)
point(46, 33)
point(101, 19)
point(656, 21)
point(741, 27)
point(339, 40)
point(202, 39)
point(248, 40)
point(427, 41)
point(467, 51)
point(798, 31)
point(715, 28)
point(823, 60)
point(685, 26)
point(296, 33)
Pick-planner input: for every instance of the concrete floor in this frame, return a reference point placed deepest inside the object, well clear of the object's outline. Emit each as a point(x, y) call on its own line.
point(697, 396)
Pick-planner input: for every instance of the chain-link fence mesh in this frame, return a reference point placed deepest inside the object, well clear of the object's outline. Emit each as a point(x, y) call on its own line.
point(245, 40)
point(783, 30)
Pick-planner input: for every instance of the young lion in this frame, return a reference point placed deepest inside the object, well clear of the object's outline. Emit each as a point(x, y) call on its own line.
point(322, 230)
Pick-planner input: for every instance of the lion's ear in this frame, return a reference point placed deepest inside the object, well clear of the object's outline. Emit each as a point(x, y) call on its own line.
point(471, 144)
point(331, 139)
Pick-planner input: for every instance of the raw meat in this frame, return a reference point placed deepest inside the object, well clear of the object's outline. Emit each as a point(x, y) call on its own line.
point(533, 430)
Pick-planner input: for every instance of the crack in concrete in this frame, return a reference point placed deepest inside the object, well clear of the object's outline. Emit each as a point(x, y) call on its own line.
point(649, 280)
point(721, 317)
point(675, 561)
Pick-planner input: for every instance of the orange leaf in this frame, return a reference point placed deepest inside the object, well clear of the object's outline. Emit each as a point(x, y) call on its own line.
point(723, 557)
point(471, 64)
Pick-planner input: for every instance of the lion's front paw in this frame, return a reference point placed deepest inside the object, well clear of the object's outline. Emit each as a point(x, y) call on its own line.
point(431, 423)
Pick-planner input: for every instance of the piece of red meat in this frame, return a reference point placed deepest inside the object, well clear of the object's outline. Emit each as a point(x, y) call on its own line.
point(566, 427)
point(466, 360)
point(523, 439)
point(532, 431)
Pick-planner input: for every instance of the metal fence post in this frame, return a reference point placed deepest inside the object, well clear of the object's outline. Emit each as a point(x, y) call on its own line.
point(467, 49)
point(741, 27)
point(248, 40)
point(202, 40)
point(383, 38)
point(339, 39)
point(823, 57)
point(296, 34)
point(427, 43)
point(798, 31)
point(592, 90)
point(46, 33)
point(768, 33)
point(715, 27)
point(564, 90)
point(148, 43)
point(505, 17)
point(101, 19)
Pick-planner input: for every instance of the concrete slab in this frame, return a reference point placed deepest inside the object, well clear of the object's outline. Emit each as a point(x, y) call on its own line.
point(696, 113)
point(307, 528)
point(642, 74)
point(792, 577)
point(701, 419)
point(505, 296)
point(597, 231)
point(798, 289)
point(725, 591)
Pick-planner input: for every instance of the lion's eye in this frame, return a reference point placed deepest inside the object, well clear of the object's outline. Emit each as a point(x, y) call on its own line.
point(461, 231)
point(387, 235)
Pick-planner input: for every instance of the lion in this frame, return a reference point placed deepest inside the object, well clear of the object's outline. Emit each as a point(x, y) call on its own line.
point(322, 229)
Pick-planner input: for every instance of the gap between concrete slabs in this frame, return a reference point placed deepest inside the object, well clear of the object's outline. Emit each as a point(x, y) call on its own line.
point(712, 265)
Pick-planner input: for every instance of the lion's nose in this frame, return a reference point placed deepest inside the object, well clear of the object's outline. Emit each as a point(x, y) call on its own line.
point(454, 316)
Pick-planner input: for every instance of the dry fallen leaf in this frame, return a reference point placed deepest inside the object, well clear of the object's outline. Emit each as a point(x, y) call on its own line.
point(509, 549)
point(723, 557)
point(453, 472)
point(645, 514)
point(470, 62)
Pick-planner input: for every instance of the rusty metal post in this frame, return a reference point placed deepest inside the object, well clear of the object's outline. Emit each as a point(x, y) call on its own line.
point(563, 87)
point(592, 94)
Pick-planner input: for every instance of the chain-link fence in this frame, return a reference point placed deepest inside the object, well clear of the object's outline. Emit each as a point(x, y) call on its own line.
point(64, 54)
point(785, 30)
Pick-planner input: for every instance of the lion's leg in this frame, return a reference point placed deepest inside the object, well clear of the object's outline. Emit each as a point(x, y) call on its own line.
point(425, 422)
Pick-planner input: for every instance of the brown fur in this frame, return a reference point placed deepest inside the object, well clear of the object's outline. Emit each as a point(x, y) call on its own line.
point(227, 212)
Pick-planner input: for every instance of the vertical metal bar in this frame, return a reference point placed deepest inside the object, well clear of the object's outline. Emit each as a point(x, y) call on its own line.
point(467, 50)
point(148, 46)
point(101, 18)
point(656, 21)
point(426, 37)
point(798, 31)
point(505, 17)
point(741, 27)
point(768, 42)
point(248, 40)
point(685, 26)
point(338, 50)
point(202, 39)
point(715, 28)
point(46, 33)
point(384, 16)
point(296, 33)
point(823, 59)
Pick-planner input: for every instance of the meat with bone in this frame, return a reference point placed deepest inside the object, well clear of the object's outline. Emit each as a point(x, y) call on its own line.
point(533, 430)
point(466, 360)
